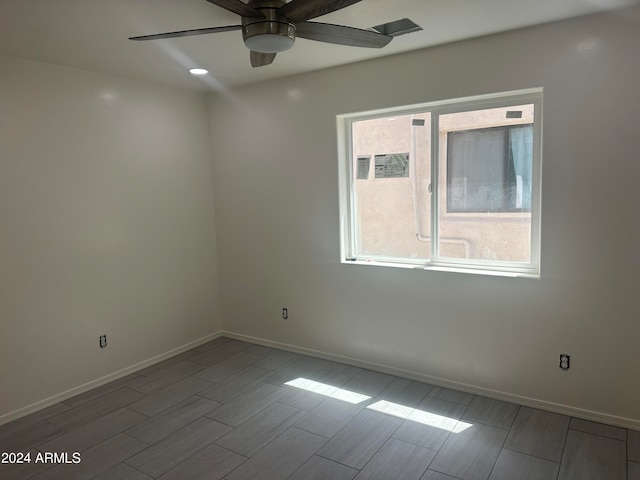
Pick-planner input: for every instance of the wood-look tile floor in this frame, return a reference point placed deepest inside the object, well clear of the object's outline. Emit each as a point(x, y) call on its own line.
point(231, 410)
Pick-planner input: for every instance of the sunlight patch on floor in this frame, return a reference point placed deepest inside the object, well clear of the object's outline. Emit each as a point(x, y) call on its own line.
point(420, 416)
point(328, 390)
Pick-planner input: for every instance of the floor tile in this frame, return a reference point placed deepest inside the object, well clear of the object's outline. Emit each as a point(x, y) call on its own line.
point(397, 459)
point(166, 364)
point(31, 436)
point(422, 435)
point(276, 360)
point(432, 475)
point(490, 412)
point(301, 398)
point(360, 439)
point(219, 353)
point(18, 426)
point(592, 457)
point(368, 382)
point(243, 344)
point(451, 395)
point(538, 433)
point(470, 454)
point(515, 465)
point(90, 411)
point(337, 374)
point(260, 350)
point(318, 468)
point(222, 411)
point(247, 404)
point(280, 458)
point(122, 471)
point(177, 447)
point(405, 392)
point(96, 460)
point(633, 439)
point(93, 433)
point(167, 397)
point(228, 367)
point(235, 384)
point(172, 419)
point(329, 417)
point(601, 429)
point(212, 344)
point(280, 376)
point(167, 377)
point(102, 390)
point(22, 471)
point(303, 367)
point(439, 419)
point(210, 463)
point(260, 429)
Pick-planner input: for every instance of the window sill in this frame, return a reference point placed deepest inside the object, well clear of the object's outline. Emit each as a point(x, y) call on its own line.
point(448, 269)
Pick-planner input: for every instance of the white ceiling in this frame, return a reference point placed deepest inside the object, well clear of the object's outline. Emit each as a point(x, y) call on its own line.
point(93, 34)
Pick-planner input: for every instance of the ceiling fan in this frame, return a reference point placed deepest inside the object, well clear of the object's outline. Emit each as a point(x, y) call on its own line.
point(271, 26)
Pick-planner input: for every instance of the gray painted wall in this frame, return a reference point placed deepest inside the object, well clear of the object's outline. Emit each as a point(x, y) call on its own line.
point(106, 227)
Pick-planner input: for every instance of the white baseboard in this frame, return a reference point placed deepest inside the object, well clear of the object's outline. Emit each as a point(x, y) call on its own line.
point(441, 382)
point(60, 397)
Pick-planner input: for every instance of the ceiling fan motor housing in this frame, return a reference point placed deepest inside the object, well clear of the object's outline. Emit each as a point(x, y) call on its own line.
point(271, 34)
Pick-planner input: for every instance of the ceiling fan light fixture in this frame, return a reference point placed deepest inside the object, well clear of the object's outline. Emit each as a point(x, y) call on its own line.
point(271, 26)
point(269, 37)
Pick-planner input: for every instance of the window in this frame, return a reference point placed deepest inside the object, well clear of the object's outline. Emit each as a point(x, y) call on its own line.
point(363, 168)
point(489, 170)
point(456, 184)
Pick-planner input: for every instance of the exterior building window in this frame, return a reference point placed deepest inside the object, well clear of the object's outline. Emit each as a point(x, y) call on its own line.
point(489, 170)
point(363, 168)
point(457, 189)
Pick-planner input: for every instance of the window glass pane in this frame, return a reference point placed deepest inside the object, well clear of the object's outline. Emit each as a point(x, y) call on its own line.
point(392, 209)
point(485, 171)
point(363, 168)
point(476, 170)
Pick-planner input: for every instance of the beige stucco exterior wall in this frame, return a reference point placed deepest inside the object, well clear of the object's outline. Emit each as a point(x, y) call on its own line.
point(393, 215)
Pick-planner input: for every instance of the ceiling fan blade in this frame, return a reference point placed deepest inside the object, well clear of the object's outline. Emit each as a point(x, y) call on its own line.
point(187, 33)
point(259, 59)
point(303, 10)
point(341, 35)
point(238, 7)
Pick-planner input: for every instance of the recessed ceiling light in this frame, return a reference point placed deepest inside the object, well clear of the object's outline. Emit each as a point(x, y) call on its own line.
point(198, 71)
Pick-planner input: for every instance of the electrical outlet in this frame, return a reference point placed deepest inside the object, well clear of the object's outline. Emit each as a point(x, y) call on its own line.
point(103, 341)
point(565, 361)
point(285, 313)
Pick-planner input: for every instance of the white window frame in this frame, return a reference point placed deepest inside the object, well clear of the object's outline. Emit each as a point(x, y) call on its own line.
point(347, 186)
